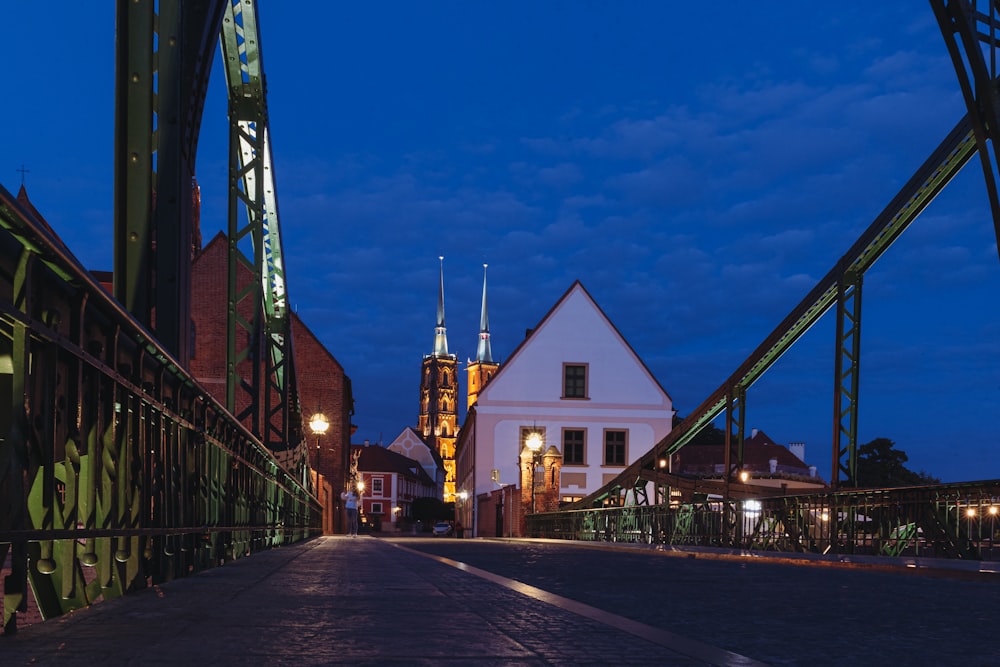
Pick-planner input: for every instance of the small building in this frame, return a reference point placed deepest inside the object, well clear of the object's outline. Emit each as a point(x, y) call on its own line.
point(391, 483)
point(576, 392)
point(765, 462)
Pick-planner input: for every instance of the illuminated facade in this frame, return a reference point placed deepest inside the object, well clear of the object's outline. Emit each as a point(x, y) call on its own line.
point(576, 384)
point(438, 421)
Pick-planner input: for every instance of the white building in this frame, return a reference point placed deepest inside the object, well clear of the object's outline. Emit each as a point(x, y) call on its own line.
point(577, 382)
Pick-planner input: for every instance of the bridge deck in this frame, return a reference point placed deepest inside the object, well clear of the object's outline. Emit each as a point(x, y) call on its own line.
point(336, 600)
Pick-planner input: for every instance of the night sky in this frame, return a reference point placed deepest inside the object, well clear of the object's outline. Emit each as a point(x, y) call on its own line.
point(697, 166)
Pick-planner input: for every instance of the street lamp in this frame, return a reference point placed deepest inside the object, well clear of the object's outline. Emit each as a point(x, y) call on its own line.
point(459, 498)
point(993, 526)
point(319, 425)
point(534, 444)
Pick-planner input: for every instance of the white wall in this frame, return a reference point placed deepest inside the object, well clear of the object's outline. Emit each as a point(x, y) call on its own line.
point(528, 392)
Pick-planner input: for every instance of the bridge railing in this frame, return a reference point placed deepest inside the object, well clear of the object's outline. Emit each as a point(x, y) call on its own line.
point(117, 469)
point(942, 521)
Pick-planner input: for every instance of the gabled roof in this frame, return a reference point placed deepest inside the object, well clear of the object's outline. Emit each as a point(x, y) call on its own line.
point(576, 287)
point(25, 202)
point(758, 450)
point(410, 434)
point(379, 459)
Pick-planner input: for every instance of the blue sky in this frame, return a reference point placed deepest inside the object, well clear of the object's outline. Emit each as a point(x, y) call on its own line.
point(698, 167)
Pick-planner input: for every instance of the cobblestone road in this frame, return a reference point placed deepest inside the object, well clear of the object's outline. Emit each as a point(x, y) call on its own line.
point(780, 614)
point(371, 601)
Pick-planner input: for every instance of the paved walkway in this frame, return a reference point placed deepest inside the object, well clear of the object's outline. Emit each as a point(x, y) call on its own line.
point(416, 601)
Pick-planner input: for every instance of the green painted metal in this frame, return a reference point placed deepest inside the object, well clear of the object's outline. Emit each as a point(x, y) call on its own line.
point(259, 325)
point(847, 373)
point(971, 34)
point(736, 396)
point(116, 471)
point(134, 156)
point(935, 173)
point(957, 521)
point(163, 58)
point(900, 539)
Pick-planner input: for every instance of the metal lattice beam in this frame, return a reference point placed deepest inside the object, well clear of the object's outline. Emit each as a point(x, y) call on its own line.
point(932, 176)
point(847, 371)
point(163, 57)
point(259, 323)
point(971, 31)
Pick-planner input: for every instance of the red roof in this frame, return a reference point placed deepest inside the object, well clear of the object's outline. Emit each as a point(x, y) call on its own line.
point(758, 451)
point(379, 459)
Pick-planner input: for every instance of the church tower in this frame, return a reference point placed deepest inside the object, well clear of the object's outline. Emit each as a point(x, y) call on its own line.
point(483, 368)
point(438, 423)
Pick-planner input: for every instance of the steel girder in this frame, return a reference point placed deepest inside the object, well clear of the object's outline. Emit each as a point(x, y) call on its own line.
point(736, 398)
point(847, 370)
point(971, 31)
point(933, 175)
point(116, 467)
point(259, 324)
point(163, 57)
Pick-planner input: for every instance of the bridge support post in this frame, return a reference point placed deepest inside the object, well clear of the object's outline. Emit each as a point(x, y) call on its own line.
point(847, 374)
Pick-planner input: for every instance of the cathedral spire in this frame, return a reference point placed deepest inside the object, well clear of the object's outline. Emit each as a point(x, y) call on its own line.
point(483, 351)
point(440, 335)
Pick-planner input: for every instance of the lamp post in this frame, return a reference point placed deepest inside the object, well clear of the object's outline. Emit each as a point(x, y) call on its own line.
point(993, 526)
point(534, 444)
point(459, 498)
point(319, 425)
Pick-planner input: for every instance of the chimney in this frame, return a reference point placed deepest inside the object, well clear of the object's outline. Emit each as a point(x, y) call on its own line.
point(798, 449)
point(753, 433)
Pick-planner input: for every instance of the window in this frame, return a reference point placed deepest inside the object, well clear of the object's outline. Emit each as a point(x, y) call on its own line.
point(376, 508)
point(376, 486)
point(573, 447)
point(574, 381)
point(614, 448)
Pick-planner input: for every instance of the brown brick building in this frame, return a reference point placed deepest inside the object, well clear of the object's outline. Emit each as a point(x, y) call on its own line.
point(323, 386)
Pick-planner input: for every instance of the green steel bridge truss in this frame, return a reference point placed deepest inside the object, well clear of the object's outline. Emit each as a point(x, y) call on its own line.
point(971, 32)
point(117, 469)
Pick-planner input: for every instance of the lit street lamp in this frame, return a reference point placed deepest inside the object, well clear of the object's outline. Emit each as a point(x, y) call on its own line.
point(319, 425)
point(459, 498)
point(534, 444)
point(993, 526)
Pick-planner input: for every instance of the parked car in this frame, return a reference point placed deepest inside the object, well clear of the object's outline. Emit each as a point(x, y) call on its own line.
point(441, 529)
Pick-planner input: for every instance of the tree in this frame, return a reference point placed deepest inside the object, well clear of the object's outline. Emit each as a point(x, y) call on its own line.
point(880, 464)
